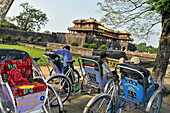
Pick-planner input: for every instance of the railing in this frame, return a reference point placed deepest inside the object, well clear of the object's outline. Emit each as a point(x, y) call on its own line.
point(112, 62)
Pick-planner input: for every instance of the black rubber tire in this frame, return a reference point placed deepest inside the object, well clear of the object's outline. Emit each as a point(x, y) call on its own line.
point(63, 91)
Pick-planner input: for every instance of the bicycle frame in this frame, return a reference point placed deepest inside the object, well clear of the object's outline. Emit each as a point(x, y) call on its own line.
point(52, 64)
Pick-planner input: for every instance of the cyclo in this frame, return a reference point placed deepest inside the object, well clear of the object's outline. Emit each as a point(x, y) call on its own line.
point(134, 89)
point(20, 90)
point(88, 81)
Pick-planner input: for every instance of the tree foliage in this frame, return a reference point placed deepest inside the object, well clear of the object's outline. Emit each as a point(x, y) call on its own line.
point(135, 16)
point(38, 39)
point(139, 17)
point(7, 24)
point(103, 47)
point(93, 45)
point(74, 43)
point(85, 45)
point(30, 18)
point(142, 44)
point(47, 32)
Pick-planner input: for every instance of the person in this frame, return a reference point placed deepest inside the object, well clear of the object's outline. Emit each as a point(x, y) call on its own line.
point(121, 60)
point(65, 52)
point(106, 68)
point(135, 60)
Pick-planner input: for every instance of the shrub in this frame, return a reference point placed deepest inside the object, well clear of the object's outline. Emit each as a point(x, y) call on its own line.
point(18, 38)
point(74, 43)
point(8, 37)
point(38, 39)
point(85, 45)
point(93, 45)
point(31, 38)
point(103, 47)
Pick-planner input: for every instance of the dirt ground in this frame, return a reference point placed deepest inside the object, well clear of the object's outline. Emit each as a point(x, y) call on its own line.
point(77, 102)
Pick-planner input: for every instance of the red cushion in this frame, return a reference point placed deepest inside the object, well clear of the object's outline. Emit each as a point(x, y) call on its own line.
point(18, 91)
point(18, 73)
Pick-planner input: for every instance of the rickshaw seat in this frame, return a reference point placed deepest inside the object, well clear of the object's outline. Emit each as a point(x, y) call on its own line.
point(18, 74)
point(131, 73)
point(91, 65)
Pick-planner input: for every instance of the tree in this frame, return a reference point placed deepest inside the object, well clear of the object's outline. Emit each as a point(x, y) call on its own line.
point(30, 18)
point(139, 17)
point(8, 37)
point(142, 44)
point(38, 39)
point(31, 38)
point(7, 24)
point(47, 32)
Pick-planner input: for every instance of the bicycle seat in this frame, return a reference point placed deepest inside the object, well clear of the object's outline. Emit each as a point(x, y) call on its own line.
point(36, 58)
point(70, 61)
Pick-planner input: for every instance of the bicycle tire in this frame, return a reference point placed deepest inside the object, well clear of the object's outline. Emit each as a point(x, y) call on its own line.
point(76, 85)
point(85, 85)
point(156, 104)
point(35, 73)
point(63, 88)
point(99, 104)
point(59, 107)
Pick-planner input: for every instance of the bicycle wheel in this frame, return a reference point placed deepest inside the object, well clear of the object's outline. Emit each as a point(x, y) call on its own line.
point(35, 73)
point(50, 100)
point(76, 78)
point(101, 103)
point(109, 87)
point(156, 104)
point(85, 85)
point(62, 86)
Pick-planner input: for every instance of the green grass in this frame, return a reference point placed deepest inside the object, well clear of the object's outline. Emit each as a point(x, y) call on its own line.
point(32, 52)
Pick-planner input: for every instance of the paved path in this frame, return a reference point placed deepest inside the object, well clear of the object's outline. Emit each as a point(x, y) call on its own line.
point(76, 104)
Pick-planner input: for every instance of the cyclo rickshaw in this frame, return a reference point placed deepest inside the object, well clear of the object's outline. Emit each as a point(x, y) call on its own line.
point(133, 89)
point(92, 77)
point(21, 92)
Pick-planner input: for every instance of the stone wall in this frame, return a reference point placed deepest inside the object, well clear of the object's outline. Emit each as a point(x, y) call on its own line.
point(78, 37)
point(25, 35)
point(115, 54)
point(67, 38)
point(34, 46)
point(93, 39)
point(74, 50)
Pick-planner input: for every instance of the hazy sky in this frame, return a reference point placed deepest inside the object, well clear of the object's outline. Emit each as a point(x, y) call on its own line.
point(61, 13)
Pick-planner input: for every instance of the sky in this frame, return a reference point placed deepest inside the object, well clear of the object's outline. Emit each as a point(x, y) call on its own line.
point(61, 14)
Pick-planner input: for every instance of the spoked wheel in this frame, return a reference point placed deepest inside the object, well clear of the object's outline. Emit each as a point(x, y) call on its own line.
point(156, 104)
point(99, 104)
point(85, 85)
point(62, 86)
point(109, 87)
point(76, 78)
point(53, 98)
point(35, 73)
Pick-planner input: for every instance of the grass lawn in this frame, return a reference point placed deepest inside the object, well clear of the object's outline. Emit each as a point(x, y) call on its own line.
point(32, 52)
